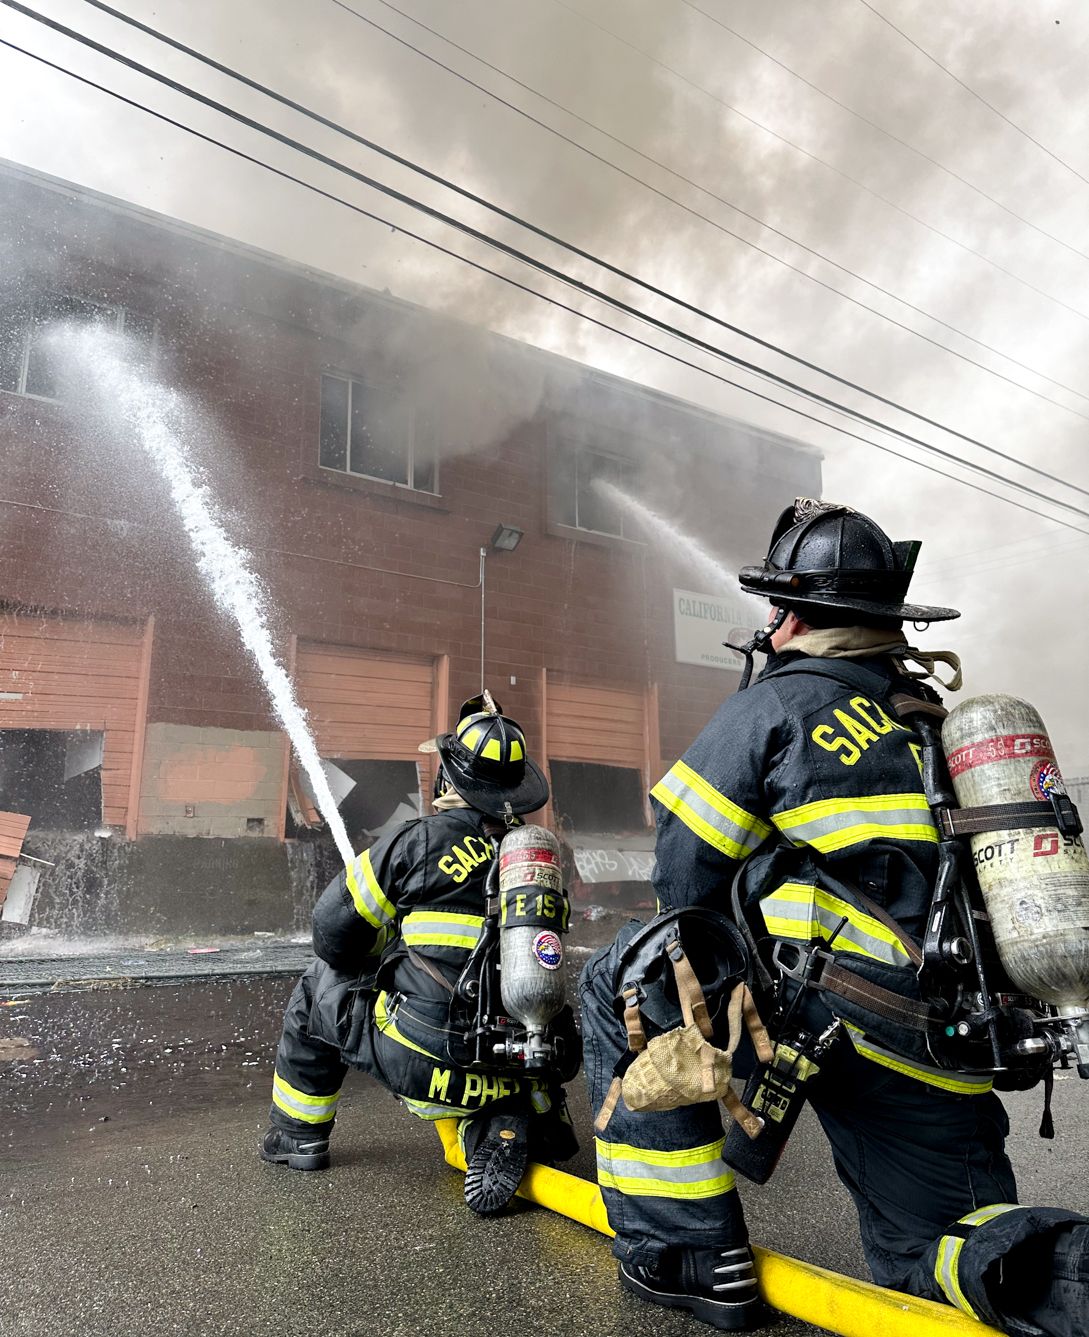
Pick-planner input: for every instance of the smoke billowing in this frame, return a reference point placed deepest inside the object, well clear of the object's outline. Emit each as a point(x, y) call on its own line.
point(873, 206)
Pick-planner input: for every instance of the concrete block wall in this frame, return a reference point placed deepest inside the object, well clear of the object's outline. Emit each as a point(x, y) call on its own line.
point(211, 782)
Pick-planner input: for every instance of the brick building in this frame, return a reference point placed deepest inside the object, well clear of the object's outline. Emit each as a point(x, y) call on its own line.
point(369, 454)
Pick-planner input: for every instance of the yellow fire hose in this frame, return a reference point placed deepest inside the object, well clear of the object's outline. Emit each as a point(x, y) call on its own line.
point(813, 1294)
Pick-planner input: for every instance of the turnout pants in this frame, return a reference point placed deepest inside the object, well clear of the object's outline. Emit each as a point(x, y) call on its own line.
point(927, 1169)
point(332, 1024)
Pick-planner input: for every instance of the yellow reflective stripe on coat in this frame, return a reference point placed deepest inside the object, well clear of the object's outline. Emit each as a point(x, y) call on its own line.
point(801, 912)
point(697, 1172)
point(422, 1110)
point(947, 1262)
point(367, 896)
point(836, 823)
point(299, 1105)
point(441, 928)
point(710, 815)
point(388, 1026)
point(962, 1083)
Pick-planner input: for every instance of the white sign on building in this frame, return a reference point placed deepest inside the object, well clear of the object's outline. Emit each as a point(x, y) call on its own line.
point(701, 622)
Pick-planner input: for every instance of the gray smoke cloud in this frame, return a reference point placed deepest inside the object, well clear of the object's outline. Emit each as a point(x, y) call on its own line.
point(1018, 577)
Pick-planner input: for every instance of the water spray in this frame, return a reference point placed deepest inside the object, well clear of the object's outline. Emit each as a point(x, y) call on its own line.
point(155, 414)
point(686, 547)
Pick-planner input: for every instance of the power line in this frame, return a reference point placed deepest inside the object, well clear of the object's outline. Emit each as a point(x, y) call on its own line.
point(1043, 550)
point(521, 287)
point(552, 272)
point(712, 222)
point(875, 125)
point(970, 250)
point(978, 96)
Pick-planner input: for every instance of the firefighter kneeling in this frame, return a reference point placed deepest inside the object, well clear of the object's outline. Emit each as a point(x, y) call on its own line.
point(407, 982)
point(805, 794)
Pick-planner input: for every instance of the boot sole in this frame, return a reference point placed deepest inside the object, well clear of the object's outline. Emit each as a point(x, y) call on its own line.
point(295, 1160)
point(725, 1315)
point(493, 1176)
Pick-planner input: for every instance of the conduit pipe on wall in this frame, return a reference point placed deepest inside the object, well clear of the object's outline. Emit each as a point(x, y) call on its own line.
point(840, 1304)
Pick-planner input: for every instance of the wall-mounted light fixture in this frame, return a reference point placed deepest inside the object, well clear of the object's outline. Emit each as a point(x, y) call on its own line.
point(506, 538)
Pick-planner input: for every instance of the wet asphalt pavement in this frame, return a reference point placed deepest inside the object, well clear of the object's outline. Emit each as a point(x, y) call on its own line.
point(132, 1200)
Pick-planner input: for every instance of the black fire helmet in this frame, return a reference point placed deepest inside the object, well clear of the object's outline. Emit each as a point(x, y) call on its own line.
point(485, 759)
point(827, 557)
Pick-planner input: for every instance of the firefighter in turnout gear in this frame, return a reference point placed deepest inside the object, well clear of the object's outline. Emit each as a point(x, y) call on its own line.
point(800, 811)
point(393, 934)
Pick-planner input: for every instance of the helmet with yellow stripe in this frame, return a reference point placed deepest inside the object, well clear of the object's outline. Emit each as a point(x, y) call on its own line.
point(486, 760)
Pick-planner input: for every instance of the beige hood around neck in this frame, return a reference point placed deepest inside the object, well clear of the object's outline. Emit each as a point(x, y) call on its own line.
point(866, 642)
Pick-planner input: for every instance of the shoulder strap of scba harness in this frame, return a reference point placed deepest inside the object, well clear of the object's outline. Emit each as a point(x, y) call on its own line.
point(640, 982)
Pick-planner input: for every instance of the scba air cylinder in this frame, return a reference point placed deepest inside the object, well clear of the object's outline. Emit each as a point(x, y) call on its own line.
point(533, 915)
point(1035, 881)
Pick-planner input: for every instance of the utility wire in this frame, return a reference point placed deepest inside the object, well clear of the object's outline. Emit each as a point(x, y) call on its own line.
point(712, 222)
point(563, 277)
point(1045, 551)
point(521, 287)
point(978, 96)
point(875, 125)
point(970, 250)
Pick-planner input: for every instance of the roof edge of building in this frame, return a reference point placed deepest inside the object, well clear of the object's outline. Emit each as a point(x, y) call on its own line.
point(298, 269)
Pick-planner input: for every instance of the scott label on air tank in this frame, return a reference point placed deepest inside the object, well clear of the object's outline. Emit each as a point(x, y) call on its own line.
point(1035, 881)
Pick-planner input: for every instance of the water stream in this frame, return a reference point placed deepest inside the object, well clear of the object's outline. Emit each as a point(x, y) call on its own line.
point(160, 418)
point(720, 579)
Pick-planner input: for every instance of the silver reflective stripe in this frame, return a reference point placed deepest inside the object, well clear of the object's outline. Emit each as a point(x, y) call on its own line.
point(434, 928)
point(947, 1262)
point(946, 1272)
point(711, 815)
point(423, 1110)
point(982, 1215)
point(369, 899)
point(802, 911)
point(963, 1083)
point(699, 1172)
point(835, 824)
point(302, 1105)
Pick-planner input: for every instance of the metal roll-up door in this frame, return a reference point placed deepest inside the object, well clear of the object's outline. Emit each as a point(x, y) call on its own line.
point(591, 723)
point(366, 705)
point(78, 675)
point(369, 713)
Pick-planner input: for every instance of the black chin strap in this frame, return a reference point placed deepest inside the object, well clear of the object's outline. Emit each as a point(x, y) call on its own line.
point(760, 644)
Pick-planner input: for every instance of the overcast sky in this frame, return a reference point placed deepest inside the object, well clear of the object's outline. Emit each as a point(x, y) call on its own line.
point(893, 190)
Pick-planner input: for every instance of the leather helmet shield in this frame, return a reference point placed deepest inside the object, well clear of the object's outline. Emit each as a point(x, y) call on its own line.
point(485, 760)
point(825, 556)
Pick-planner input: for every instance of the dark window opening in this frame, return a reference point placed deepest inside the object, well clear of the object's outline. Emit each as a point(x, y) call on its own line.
point(385, 793)
point(592, 798)
point(370, 432)
point(29, 364)
point(583, 498)
point(53, 777)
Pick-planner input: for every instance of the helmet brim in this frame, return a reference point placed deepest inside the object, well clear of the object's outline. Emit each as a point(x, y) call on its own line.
point(849, 603)
point(486, 795)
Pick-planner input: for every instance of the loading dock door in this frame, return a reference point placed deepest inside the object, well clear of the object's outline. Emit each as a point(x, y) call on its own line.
point(365, 705)
point(592, 723)
point(599, 725)
point(69, 673)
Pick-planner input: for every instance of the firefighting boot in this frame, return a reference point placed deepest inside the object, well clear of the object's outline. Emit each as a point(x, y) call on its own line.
point(496, 1152)
point(298, 1151)
point(717, 1286)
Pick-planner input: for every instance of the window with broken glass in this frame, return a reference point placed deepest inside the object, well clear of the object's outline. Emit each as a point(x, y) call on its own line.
point(371, 432)
point(31, 363)
point(587, 488)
